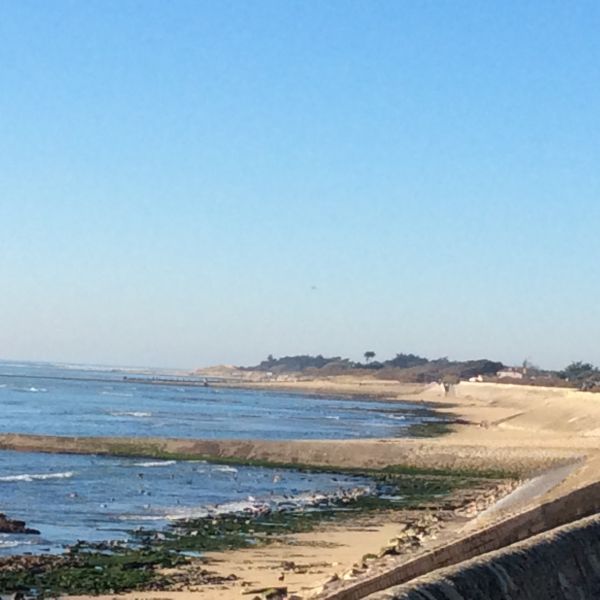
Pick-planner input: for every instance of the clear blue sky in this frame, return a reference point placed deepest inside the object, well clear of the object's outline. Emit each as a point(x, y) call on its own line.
point(186, 183)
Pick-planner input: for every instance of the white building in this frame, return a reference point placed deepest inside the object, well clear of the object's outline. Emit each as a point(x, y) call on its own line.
point(509, 374)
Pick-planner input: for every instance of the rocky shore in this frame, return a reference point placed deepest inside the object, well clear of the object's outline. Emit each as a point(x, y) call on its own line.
point(420, 529)
point(527, 431)
point(176, 559)
point(12, 526)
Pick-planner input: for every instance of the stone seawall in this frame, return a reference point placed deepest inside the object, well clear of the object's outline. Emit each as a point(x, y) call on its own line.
point(372, 454)
point(581, 503)
point(563, 564)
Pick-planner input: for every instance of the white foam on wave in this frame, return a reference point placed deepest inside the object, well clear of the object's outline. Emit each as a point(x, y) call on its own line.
point(225, 469)
point(37, 476)
point(397, 417)
point(200, 512)
point(251, 505)
point(155, 463)
point(118, 394)
point(254, 505)
point(142, 518)
point(11, 543)
point(130, 413)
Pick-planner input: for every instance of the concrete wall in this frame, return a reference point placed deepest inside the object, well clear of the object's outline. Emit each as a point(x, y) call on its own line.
point(566, 509)
point(563, 564)
point(328, 453)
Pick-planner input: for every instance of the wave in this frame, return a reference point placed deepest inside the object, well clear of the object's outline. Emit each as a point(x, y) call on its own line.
point(225, 469)
point(253, 506)
point(240, 506)
point(13, 543)
point(397, 417)
point(142, 518)
point(275, 503)
point(156, 463)
point(130, 413)
point(118, 394)
point(37, 476)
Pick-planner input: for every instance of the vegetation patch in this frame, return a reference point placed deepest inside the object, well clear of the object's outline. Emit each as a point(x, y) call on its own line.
point(86, 571)
point(134, 449)
point(403, 367)
point(429, 429)
point(101, 568)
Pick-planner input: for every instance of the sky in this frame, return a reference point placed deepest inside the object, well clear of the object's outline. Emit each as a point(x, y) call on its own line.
point(189, 183)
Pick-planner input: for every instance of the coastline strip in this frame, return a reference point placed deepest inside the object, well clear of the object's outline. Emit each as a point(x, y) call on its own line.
point(572, 507)
point(396, 455)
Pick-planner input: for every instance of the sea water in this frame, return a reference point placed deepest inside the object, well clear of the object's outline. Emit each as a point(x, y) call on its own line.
point(70, 497)
point(52, 400)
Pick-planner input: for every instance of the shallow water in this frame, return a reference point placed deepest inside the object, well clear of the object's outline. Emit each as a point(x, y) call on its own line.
point(69, 497)
point(41, 400)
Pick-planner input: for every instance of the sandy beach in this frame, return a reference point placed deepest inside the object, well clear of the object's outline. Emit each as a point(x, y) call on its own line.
point(529, 430)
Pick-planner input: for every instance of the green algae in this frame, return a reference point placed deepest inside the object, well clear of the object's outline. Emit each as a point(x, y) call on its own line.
point(100, 568)
point(429, 429)
point(84, 571)
point(148, 450)
point(89, 568)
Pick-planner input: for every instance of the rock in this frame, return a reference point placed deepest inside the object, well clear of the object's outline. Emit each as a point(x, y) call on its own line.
point(11, 526)
point(270, 593)
point(317, 591)
point(351, 573)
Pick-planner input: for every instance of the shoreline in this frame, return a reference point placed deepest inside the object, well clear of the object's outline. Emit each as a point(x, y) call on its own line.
point(315, 541)
point(431, 456)
point(525, 430)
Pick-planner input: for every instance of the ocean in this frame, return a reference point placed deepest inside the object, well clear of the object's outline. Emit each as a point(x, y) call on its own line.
point(69, 497)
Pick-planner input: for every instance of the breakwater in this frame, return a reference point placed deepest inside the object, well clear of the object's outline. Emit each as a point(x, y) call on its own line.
point(563, 564)
point(361, 454)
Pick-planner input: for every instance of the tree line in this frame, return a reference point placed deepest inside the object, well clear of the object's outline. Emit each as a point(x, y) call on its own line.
point(412, 367)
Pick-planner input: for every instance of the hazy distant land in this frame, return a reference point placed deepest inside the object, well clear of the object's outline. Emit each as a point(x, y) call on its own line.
point(498, 435)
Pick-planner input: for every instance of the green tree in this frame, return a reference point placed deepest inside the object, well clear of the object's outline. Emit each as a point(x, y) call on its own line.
point(578, 371)
point(369, 355)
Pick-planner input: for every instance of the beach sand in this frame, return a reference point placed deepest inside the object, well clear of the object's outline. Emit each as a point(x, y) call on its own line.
point(509, 427)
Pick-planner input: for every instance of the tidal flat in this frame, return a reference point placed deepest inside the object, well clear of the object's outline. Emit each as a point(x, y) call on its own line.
point(172, 557)
point(152, 512)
